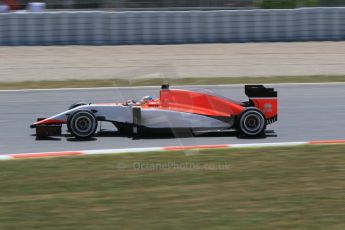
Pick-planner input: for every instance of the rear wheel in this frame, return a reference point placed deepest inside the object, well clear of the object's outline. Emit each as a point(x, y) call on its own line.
point(82, 124)
point(252, 122)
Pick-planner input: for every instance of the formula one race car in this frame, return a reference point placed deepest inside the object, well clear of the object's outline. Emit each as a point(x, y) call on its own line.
point(176, 109)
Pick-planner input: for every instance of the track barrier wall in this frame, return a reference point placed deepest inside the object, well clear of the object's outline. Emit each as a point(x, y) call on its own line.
point(171, 27)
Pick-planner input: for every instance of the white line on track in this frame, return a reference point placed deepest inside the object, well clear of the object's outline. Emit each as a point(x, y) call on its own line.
point(126, 150)
point(154, 87)
point(4, 157)
point(278, 144)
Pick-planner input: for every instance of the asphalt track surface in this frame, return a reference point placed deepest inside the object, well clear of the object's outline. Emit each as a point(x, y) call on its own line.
point(307, 112)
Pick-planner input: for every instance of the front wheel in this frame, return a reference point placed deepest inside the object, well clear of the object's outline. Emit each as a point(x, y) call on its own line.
point(82, 124)
point(251, 122)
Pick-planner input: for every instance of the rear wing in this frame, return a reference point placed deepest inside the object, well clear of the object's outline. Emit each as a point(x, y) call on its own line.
point(259, 91)
point(265, 99)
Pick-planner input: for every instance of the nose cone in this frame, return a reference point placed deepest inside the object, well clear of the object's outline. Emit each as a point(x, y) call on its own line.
point(48, 121)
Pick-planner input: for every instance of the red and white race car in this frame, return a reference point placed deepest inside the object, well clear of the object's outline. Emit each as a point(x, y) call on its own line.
point(175, 109)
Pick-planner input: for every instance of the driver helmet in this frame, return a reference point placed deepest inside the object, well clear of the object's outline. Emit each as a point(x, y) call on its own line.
point(146, 99)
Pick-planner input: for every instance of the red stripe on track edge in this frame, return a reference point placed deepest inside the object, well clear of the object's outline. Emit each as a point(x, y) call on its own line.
point(47, 154)
point(327, 142)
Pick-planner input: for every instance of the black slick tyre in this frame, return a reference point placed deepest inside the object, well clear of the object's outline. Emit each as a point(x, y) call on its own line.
point(251, 122)
point(82, 124)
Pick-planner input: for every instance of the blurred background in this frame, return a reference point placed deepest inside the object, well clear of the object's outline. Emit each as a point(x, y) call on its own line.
point(209, 31)
point(106, 22)
point(171, 4)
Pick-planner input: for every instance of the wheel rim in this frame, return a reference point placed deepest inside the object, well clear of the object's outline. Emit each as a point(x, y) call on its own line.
point(252, 123)
point(83, 124)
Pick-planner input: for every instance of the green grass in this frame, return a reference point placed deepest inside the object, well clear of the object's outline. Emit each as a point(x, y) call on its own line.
point(159, 81)
point(265, 188)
